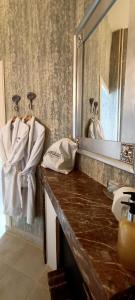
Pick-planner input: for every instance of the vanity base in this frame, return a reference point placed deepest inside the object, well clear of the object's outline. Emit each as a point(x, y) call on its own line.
point(59, 287)
point(67, 282)
point(78, 215)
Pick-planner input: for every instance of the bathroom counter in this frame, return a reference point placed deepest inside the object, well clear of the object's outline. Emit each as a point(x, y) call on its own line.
point(90, 228)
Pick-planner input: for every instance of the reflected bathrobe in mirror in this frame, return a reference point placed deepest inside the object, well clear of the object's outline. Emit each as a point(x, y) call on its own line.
point(94, 129)
point(26, 178)
point(13, 139)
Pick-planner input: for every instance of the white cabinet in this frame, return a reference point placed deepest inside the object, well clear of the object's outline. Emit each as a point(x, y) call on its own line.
point(50, 217)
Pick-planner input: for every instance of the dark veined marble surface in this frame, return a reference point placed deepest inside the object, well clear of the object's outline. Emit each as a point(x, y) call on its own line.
point(85, 215)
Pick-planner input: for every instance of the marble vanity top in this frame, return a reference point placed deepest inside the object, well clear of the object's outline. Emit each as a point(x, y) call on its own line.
point(84, 213)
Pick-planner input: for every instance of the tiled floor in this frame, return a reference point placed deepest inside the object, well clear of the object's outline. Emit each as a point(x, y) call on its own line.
point(23, 275)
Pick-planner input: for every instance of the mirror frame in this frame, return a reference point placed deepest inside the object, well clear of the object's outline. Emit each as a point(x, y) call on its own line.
point(117, 154)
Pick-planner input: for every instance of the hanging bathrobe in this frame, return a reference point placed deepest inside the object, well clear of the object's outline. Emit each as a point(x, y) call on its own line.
point(98, 131)
point(13, 139)
point(89, 129)
point(26, 178)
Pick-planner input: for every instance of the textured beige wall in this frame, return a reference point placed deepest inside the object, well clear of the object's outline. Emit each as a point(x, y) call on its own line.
point(37, 49)
point(98, 170)
point(36, 45)
point(2, 96)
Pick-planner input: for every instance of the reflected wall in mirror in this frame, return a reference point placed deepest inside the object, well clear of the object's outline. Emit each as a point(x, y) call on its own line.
point(104, 69)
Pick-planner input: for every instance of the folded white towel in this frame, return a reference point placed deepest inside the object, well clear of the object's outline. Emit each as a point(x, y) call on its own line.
point(60, 157)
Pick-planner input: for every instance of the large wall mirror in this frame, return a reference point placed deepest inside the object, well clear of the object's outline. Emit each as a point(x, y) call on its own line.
point(104, 84)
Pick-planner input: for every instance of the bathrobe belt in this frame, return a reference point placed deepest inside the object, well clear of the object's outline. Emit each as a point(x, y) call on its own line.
point(8, 167)
point(25, 179)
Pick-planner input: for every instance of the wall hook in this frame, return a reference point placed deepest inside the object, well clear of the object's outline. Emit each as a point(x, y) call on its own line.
point(31, 96)
point(91, 101)
point(96, 107)
point(16, 99)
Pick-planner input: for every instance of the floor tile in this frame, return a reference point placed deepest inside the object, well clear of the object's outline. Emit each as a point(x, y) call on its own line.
point(3, 269)
point(39, 293)
point(43, 277)
point(23, 274)
point(29, 260)
point(15, 285)
point(10, 246)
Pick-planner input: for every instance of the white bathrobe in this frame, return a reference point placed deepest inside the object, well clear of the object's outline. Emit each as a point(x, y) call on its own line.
point(98, 131)
point(95, 130)
point(91, 129)
point(13, 139)
point(26, 178)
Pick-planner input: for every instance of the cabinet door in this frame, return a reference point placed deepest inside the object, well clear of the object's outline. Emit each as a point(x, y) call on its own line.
point(78, 288)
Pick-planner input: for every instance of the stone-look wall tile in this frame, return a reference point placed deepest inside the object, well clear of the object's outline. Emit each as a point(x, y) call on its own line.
point(36, 38)
point(103, 173)
point(81, 7)
point(88, 3)
point(79, 11)
point(38, 56)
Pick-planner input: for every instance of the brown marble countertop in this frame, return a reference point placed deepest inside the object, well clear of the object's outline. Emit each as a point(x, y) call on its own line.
point(85, 215)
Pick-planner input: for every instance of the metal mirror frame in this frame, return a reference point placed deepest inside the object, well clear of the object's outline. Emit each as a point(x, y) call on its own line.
point(116, 154)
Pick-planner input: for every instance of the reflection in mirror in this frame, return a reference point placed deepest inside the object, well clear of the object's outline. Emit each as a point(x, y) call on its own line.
point(105, 53)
